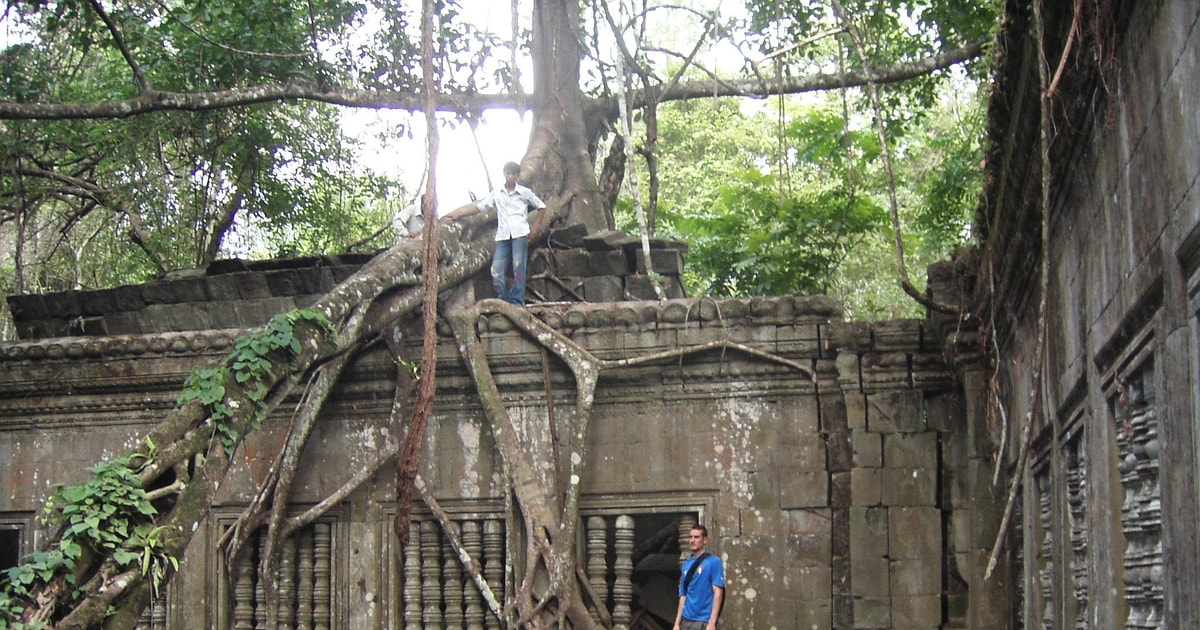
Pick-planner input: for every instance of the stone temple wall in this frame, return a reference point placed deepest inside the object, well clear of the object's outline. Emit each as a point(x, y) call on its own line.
point(842, 485)
point(1111, 502)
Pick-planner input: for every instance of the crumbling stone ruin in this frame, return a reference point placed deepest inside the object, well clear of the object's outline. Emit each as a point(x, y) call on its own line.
point(853, 475)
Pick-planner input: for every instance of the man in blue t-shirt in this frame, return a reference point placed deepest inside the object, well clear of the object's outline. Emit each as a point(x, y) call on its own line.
point(701, 589)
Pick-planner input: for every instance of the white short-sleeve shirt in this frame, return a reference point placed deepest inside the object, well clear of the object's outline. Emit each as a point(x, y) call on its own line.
point(512, 210)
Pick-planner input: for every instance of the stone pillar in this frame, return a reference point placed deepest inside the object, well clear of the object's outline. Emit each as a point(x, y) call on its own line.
point(597, 570)
point(431, 576)
point(412, 578)
point(472, 540)
point(623, 586)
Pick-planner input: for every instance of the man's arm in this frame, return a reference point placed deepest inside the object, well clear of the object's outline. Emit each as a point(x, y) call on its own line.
point(463, 211)
point(718, 595)
point(679, 613)
point(537, 222)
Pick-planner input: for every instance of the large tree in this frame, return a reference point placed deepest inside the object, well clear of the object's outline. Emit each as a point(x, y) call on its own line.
point(218, 62)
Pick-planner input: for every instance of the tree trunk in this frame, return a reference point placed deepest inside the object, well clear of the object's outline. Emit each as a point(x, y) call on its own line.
point(557, 163)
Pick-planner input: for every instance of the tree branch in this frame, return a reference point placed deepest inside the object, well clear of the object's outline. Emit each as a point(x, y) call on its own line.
point(119, 40)
point(153, 100)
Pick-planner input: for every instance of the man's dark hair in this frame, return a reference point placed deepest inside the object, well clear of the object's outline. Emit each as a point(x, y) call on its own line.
point(512, 167)
point(702, 529)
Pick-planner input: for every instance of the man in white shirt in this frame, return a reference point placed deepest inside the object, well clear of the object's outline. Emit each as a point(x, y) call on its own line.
point(409, 222)
point(513, 203)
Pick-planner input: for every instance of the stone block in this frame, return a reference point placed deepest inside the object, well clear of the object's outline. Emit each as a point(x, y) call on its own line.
point(191, 290)
point(160, 292)
point(849, 373)
point(819, 309)
point(664, 261)
point(813, 583)
point(917, 613)
point(846, 336)
point(868, 449)
point(833, 414)
point(839, 489)
point(61, 305)
point(128, 298)
point(884, 371)
point(123, 324)
point(607, 263)
point(869, 532)
point(869, 577)
point(944, 412)
point(803, 450)
point(911, 577)
point(772, 310)
point(223, 287)
point(954, 450)
point(797, 341)
point(568, 237)
point(767, 524)
point(856, 411)
point(226, 266)
point(910, 450)
point(168, 317)
point(866, 487)
point(640, 287)
point(283, 282)
point(802, 488)
point(98, 302)
point(341, 272)
point(914, 532)
point(840, 451)
point(603, 289)
point(673, 287)
point(897, 334)
point(319, 280)
point(813, 614)
point(809, 538)
point(843, 610)
point(895, 411)
point(909, 486)
point(608, 239)
point(27, 307)
point(872, 612)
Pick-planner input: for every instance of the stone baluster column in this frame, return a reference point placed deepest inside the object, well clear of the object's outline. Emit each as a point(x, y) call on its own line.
point(452, 586)
point(260, 595)
point(597, 569)
point(493, 563)
point(412, 578)
point(304, 592)
point(622, 590)
point(243, 592)
point(322, 575)
point(472, 540)
point(287, 585)
point(431, 576)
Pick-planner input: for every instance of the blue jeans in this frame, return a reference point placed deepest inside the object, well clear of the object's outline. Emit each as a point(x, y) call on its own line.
point(510, 253)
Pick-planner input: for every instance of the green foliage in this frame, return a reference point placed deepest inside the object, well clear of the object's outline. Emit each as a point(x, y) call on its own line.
point(251, 366)
point(803, 208)
point(756, 241)
point(110, 514)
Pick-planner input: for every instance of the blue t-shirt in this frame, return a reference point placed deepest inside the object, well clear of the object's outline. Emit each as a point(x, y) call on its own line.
point(699, 602)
